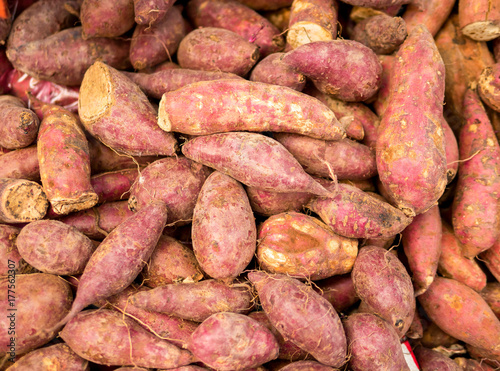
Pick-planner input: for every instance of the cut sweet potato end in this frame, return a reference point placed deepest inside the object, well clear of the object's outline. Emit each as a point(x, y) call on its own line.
point(64, 206)
point(482, 31)
point(25, 202)
point(163, 117)
point(307, 32)
point(96, 94)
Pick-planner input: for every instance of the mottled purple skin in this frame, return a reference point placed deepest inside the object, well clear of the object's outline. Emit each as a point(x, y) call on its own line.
point(59, 356)
point(64, 57)
point(109, 102)
point(9, 253)
point(42, 19)
point(97, 222)
point(238, 18)
point(272, 70)
point(120, 257)
point(269, 203)
point(156, 84)
point(489, 86)
point(422, 246)
point(339, 291)
point(491, 295)
point(54, 247)
point(19, 125)
point(288, 350)
point(429, 359)
point(382, 282)
point(224, 232)
point(106, 18)
point(476, 212)
point(411, 158)
point(373, 344)
point(416, 330)
point(157, 43)
point(96, 334)
point(20, 164)
point(41, 300)
point(253, 159)
point(302, 316)
point(195, 301)
point(175, 181)
point(150, 12)
point(344, 159)
point(229, 341)
point(451, 148)
point(306, 366)
point(346, 69)
point(381, 33)
point(171, 262)
point(217, 49)
point(240, 105)
point(115, 185)
point(357, 214)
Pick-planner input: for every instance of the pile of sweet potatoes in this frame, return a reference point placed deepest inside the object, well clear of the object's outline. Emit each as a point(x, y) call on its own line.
point(250, 185)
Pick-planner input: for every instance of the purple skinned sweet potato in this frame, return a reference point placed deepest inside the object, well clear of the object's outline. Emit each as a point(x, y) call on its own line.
point(54, 247)
point(346, 69)
point(339, 291)
point(381, 33)
point(381, 99)
point(114, 185)
point(254, 160)
point(224, 232)
point(109, 102)
point(379, 4)
point(272, 70)
point(266, 4)
point(149, 12)
point(176, 181)
point(357, 214)
point(20, 164)
point(10, 259)
point(21, 201)
point(433, 14)
point(96, 334)
point(106, 18)
point(269, 203)
point(59, 355)
point(491, 295)
point(229, 341)
point(452, 153)
point(383, 284)
point(19, 125)
point(217, 49)
point(373, 343)
point(491, 259)
point(243, 105)
point(302, 316)
point(429, 359)
point(416, 330)
point(422, 246)
point(307, 366)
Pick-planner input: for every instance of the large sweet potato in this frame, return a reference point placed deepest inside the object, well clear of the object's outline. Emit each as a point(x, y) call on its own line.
point(59, 356)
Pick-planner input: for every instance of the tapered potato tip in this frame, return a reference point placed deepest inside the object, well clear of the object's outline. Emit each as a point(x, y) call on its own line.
point(21, 201)
point(96, 102)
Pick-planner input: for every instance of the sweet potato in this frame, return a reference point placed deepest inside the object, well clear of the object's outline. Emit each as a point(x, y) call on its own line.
point(217, 49)
point(491, 258)
point(346, 69)
point(106, 18)
point(301, 246)
point(429, 359)
point(451, 149)
point(344, 159)
point(44, 294)
point(10, 259)
point(491, 295)
point(21, 201)
point(266, 108)
point(468, 364)
point(238, 18)
point(435, 337)
point(303, 316)
point(476, 213)
point(239, 155)
point(306, 366)
point(433, 14)
point(272, 70)
point(5, 70)
point(279, 18)
point(109, 102)
point(489, 86)
point(156, 43)
point(19, 126)
point(156, 84)
point(97, 222)
point(452, 264)
point(108, 329)
point(339, 291)
point(59, 356)
point(195, 301)
point(382, 98)
point(175, 181)
point(422, 247)
point(462, 313)
point(20, 164)
point(224, 231)
point(269, 203)
point(64, 57)
point(229, 341)
point(357, 214)
point(54, 247)
point(64, 158)
point(382, 282)
point(373, 343)
point(480, 19)
point(171, 262)
point(312, 20)
point(120, 257)
point(414, 184)
point(149, 12)
point(381, 33)
point(114, 185)
point(489, 357)
point(266, 4)
point(416, 330)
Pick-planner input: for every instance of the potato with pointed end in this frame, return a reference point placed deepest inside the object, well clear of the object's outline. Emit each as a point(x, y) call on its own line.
point(272, 70)
point(21, 201)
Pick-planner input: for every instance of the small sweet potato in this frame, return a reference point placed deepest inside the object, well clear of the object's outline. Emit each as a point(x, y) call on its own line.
point(20, 164)
point(381, 33)
point(10, 259)
point(383, 284)
point(114, 185)
point(106, 18)
point(19, 125)
point(491, 295)
point(433, 14)
point(229, 341)
point(149, 12)
point(270, 203)
point(301, 246)
point(59, 356)
point(109, 329)
point(272, 70)
point(224, 232)
point(21, 201)
point(489, 86)
point(302, 316)
point(429, 359)
point(339, 291)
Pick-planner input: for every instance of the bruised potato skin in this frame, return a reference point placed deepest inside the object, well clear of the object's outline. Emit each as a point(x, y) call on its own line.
point(303, 247)
point(489, 86)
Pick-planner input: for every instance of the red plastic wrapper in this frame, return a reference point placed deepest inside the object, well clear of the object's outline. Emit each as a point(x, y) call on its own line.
point(5, 69)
